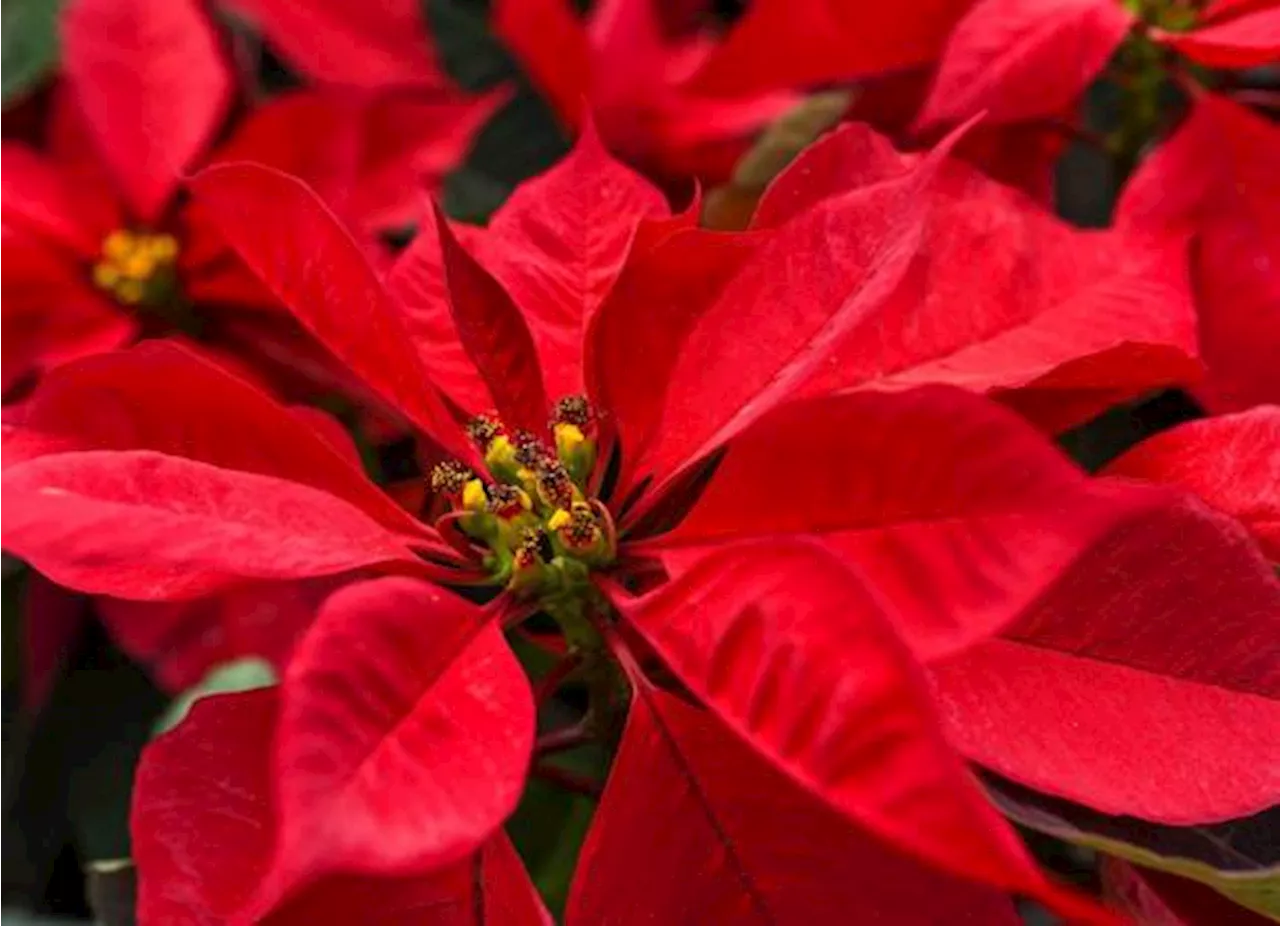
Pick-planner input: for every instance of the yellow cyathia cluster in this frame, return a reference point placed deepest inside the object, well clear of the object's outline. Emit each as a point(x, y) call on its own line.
point(136, 267)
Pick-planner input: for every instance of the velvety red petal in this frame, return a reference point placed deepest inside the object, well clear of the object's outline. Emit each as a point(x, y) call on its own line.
point(782, 44)
point(378, 44)
point(960, 512)
point(43, 199)
point(1232, 462)
point(142, 525)
point(405, 731)
point(791, 650)
point(417, 284)
point(1215, 177)
point(559, 243)
point(494, 334)
point(304, 255)
point(152, 82)
point(860, 290)
point(751, 846)
point(164, 397)
point(1250, 39)
point(1157, 647)
point(634, 339)
point(1021, 59)
point(551, 45)
point(203, 823)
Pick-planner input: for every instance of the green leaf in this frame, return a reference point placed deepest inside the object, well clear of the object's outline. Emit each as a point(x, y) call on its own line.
point(237, 675)
point(1240, 858)
point(28, 42)
point(469, 53)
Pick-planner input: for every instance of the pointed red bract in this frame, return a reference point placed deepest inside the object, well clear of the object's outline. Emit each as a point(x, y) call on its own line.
point(494, 334)
point(750, 846)
point(140, 524)
point(1158, 898)
point(1215, 178)
point(203, 823)
point(861, 291)
point(1159, 645)
point(327, 283)
point(1021, 59)
point(797, 657)
point(151, 79)
point(38, 197)
point(1232, 462)
point(112, 402)
point(558, 244)
point(405, 730)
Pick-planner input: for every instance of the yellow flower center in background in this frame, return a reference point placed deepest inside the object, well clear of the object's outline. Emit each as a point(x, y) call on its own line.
point(137, 268)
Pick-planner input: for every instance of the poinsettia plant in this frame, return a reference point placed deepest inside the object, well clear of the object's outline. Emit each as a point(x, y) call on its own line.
point(773, 515)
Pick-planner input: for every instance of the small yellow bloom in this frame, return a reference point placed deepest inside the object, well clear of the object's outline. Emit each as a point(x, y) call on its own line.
point(473, 496)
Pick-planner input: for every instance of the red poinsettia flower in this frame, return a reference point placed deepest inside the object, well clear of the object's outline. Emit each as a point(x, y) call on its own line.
point(945, 510)
point(633, 79)
point(100, 247)
point(1214, 180)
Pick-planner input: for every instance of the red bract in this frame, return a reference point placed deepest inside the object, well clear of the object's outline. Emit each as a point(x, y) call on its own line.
point(944, 519)
point(1214, 179)
point(182, 814)
point(97, 252)
point(102, 403)
point(1020, 60)
point(634, 81)
point(372, 45)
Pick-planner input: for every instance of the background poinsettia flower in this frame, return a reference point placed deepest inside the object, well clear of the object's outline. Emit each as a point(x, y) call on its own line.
point(104, 198)
point(1213, 179)
point(619, 67)
point(202, 841)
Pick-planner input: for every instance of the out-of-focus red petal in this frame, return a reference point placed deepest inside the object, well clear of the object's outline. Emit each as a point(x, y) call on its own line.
point(780, 44)
point(52, 618)
point(1248, 39)
point(1016, 60)
point(1215, 178)
point(376, 44)
point(751, 847)
point(551, 45)
point(153, 84)
point(44, 200)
